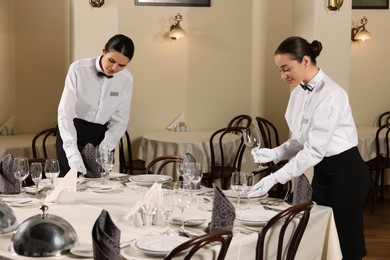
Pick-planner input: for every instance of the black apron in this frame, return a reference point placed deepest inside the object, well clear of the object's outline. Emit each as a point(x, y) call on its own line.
point(86, 133)
point(342, 182)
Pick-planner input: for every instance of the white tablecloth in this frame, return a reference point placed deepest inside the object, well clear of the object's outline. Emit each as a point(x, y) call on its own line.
point(320, 240)
point(366, 145)
point(174, 143)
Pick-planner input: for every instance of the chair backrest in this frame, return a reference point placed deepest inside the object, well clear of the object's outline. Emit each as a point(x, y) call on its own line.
point(162, 160)
point(269, 133)
point(382, 132)
point(42, 136)
point(190, 247)
point(126, 161)
point(240, 120)
point(299, 215)
point(384, 118)
point(219, 164)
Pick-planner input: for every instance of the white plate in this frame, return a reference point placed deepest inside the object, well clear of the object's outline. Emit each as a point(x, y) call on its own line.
point(189, 221)
point(20, 202)
point(114, 175)
point(149, 178)
point(82, 250)
point(232, 195)
point(46, 184)
point(159, 245)
point(32, 189)
point(255, 217)
point(99, 187)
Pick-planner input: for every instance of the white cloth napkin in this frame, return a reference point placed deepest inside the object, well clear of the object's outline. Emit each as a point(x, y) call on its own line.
point(175, 125)
point(154, 195)
point(68, 182)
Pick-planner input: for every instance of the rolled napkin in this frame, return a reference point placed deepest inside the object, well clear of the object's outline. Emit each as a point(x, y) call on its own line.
point(302, 190)
point(8, 183)
point(89, 157)
point(154, 194)
point(223, 212)
point(105, 238)
point(68, 182)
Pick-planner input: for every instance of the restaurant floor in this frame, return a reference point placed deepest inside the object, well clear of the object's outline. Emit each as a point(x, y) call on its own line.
point(377, 230)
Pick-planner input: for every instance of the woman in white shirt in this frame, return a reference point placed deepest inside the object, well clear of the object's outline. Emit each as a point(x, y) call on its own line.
point(323, 136)
point(95, 103)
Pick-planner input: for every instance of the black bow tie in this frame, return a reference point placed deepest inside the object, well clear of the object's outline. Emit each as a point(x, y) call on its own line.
point(305, 87)
point(101, 74)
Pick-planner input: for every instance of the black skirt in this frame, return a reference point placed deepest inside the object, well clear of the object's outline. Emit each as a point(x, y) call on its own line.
point(86, 133)
point(342, 182)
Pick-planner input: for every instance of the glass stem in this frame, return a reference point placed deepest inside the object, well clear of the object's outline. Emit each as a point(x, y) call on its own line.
point(36, 189)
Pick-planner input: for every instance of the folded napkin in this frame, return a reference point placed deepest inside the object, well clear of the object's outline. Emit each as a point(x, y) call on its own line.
point(177, 123)
point(223, 212)
point(68, 182)
point(154, 194)
point(89, 157)
point(105, 238)
point(302, 190)
point(8, 183)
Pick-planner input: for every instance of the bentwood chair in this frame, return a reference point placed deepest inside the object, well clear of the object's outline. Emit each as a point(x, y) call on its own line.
point(380, 162)
point(297, 217)
point(190, 247)
point(162, 161)
point(384, 118)
point(240, 120)
point(41, 138)
point(221, 167)
point(126, 162)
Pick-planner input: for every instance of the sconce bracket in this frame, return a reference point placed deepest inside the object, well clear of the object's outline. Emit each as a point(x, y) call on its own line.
point(96, 3)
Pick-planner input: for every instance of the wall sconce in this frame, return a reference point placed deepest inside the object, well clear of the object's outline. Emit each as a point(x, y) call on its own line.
point(96, 3)
point(176, 32)
point(334, 5)
point(359, 33)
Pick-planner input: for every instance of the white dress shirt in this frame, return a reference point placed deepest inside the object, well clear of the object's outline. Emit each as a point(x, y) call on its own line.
point(94, 99)
point(321, 125)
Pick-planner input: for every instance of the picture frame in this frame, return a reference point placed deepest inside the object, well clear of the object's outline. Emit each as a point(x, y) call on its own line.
point(370, 4)
point(196, 3)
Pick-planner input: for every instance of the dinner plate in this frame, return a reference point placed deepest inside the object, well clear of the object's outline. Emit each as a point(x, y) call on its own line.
point(82, 250)
point(159, 245)
point(46, 184)
point(148, 179)
point(189, 221)
point(232, 195)
point(255, 217)
point(97, 186)
point(20, 202)
point(32, 189)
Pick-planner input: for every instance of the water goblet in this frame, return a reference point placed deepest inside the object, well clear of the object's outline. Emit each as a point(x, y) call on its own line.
point(36, 175)
point(238, 184)
point(195, 176)
point(105, 158)
point(182, 198)
point(167, 208)
point(250, 176)
point(52, 170)
point(20, 169)
point(252, 140)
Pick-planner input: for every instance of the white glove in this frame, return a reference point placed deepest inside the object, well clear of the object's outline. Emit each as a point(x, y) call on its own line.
point(264, 155)
point(263, 186)
point(76, 162)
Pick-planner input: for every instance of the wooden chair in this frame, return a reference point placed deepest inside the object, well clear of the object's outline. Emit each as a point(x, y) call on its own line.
point(190, 247)
point(126, 162)
point(222, 169)
point(384, 118)
point(299, 214)
point(42, 137)
point(380, 163)
point(240, 120)
point(162, 160)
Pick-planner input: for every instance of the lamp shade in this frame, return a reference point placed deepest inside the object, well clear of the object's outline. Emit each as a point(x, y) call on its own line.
point(363, 35)
point(177, 33)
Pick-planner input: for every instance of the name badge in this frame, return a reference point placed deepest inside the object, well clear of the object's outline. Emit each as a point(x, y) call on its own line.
point(114, 94)
point(305, 120)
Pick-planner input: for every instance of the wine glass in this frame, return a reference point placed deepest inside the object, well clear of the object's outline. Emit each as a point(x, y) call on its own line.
point(20, 169)
point(52, 170)
point(180, 166)
point(36, 175)
point(167, 208)
point(238, 184)
point(182, 198)
point(105, 158)
point(195, 176)
point(252, 140)
point(250, 176)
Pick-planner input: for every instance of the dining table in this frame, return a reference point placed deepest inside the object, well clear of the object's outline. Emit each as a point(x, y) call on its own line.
point(195, 142)
point(320, 240)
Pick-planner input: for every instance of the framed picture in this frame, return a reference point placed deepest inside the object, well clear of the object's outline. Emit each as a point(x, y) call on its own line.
point(202, 3)
point(370, 4)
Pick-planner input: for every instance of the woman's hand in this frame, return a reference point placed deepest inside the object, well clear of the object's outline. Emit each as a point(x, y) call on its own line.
point(263, 186)
point(264, 155)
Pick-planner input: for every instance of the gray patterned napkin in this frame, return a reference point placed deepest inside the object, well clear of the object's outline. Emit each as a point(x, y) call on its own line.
point(106, 238)
point(223, 214)
point(89, 157)
point(8, 183)
point(302, 190)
